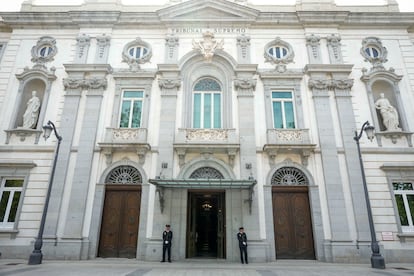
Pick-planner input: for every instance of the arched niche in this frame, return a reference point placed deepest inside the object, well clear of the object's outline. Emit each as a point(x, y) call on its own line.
point(39, 80)
point(386, 82)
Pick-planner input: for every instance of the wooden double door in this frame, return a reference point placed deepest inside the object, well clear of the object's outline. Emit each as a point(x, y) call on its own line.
point(120, 221)
point(292, 223)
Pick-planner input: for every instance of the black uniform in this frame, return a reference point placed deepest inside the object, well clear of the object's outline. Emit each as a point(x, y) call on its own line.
point(166, 244)
point(242, 237)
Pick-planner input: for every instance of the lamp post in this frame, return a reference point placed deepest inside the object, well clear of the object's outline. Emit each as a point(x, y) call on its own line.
point(37, 256)
point(377, 260)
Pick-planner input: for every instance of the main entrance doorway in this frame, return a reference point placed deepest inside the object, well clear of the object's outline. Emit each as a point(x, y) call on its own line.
point(120, 220)
point(292, 223)
point(206, 224)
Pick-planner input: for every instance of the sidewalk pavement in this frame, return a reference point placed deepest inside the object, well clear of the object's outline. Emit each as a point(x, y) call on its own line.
point(210, 267)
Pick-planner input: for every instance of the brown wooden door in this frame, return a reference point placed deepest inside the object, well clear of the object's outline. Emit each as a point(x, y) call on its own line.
point(292, 223)
point(120, 221)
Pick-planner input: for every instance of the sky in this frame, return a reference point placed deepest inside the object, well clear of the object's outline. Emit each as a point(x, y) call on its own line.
point(14, 5)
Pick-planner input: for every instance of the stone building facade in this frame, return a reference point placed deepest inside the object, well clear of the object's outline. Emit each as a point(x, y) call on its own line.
point(207, 115)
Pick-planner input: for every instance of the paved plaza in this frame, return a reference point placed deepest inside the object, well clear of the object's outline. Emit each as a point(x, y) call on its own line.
point(128, 267)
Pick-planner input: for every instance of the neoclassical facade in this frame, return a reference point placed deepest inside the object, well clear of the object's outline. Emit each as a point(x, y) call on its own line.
point(207, 115)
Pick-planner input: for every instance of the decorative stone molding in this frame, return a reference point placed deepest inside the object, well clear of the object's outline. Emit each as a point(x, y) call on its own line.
point(334, 49)
point(373, 52)
point(206, 142)
point(44, 51)
point(90, 83)
point(169, 83)
point(134, 62)
point(245, 86)
point(243, 48)
point(72, 83)
point(394, 136)
point(102, 48)
point(207, 134)
point(288, 140)
point(171, 47)
point(319, 84)
point(330, 84)
point(82, 48)
point(281, 61)
point(208, 46)
point(342, 84)
point(95, 83)
point(23, 133)
point(313, 46)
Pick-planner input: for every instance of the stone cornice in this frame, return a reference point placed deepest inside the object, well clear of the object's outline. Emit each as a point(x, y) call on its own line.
point(118, 19)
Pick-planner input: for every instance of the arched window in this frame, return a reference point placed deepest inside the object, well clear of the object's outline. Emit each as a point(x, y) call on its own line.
point(124, 175)
point(207, 173)
point(289, 176)
point(207, 104)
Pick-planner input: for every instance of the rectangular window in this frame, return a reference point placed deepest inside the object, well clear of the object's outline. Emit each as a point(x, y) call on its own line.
point(207, 110)
point(283, 109)
point(404, 198)
point(131, 109)
point(10, 192)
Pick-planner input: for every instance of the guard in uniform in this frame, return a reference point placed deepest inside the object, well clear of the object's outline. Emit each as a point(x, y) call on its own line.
point(167, 236)
point(242, 237)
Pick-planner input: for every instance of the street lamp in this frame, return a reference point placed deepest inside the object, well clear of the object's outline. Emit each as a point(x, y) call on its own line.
point(36, 256)
point(377, 260)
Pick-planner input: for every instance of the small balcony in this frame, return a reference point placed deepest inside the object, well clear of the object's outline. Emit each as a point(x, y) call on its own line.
point(206, 141)
point(289, 141)
point(125, 139)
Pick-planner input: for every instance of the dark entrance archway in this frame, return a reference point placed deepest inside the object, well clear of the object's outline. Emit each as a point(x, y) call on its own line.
point(206, 224)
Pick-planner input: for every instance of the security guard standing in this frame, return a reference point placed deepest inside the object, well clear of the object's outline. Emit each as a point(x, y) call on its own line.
point(242, 237)
point(167, 236)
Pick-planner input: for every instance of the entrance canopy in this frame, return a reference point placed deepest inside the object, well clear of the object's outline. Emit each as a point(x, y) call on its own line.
point(202, 184)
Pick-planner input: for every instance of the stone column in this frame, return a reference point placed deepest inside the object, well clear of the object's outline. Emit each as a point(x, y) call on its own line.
point(83, 165)
point(245, 87)
point(329, 153)
point(66, 128)
point(346, 115)
point(169, 83)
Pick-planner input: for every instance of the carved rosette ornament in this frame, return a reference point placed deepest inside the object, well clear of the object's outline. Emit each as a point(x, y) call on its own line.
point(208, 46)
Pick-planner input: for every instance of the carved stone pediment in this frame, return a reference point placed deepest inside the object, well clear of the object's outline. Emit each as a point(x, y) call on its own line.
point(201, 10)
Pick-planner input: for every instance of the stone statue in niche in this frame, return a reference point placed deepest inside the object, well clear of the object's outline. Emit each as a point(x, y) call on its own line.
point(31, 114)
point(388, 113)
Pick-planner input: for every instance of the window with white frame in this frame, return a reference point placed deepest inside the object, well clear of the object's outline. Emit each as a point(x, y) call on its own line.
point(207, 104)
point(137, 52)
point(404, 198)
point(10, 197)
point(131, 109)
point(283, 109)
